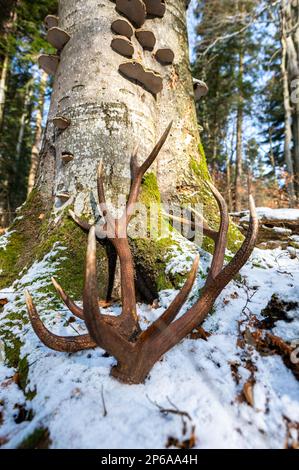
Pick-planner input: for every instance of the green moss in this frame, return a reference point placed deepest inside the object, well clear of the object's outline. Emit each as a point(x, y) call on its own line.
point(210, 207)
point(12, 347)
point(151, 257)
point(199, 165)
point(23, 370)
point(38, 439)
point(18, 252)
point(70, 272)
point(35, 235)
point(150, 190)
point(151, 254)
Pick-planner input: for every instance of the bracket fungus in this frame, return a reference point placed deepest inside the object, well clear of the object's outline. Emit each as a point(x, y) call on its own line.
point(150, 80)
point(165, 56)
point(155, 7)
point(51, 21)
point(146, 38)
point(63, 196)
point(200, 89)
point(61, 122)
point(123, 46)
point(67, 157)
point(134, 10)
point(58, 38)
point(123, 27)
point(49, 63)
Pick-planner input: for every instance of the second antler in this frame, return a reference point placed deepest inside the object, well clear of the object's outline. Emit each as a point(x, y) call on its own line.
point(137, 351)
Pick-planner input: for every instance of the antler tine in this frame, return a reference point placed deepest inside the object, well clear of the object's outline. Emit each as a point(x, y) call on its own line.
point(234, 266)
point(129, 319)
point(207, 231)
point(134, 164)
point(174, 308)
point(77, 311)
point(197, 313)
point(220, 245)
point(100, 184)
point(106, 336)
point(140, 171)
point(84, 225)
point(68, 344)
point(156, 150)
point(90, 293)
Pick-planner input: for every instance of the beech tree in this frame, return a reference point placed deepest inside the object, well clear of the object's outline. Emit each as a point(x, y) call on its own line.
point(103, 105)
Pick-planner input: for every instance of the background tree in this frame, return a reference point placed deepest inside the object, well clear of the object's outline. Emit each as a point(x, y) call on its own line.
point(20, 42)
point(226, 53)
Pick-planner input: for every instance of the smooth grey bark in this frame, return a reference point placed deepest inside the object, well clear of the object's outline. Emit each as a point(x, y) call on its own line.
point(110, 115)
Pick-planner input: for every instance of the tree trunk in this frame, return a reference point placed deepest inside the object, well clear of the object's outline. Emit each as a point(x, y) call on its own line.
point(296, 139)
point(228, 184)
point(272, 159)
point(108, 116)
point(239, 147)
point(27, 98)
point(3, 79)
point(38, 132)
point(287, 109)
point(8, 27)
point(295, 90)
point(7, 7)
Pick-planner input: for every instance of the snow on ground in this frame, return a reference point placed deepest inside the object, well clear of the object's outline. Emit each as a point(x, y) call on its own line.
point(272, 214)
point(83, 407)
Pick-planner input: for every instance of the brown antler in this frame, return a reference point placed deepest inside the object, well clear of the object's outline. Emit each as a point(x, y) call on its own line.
point(136, 352)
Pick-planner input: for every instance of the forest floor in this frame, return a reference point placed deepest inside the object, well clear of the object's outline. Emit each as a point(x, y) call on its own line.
point(229, 386)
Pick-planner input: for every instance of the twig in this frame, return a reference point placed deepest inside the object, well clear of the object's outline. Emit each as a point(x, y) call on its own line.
point(174, 410)
point(105, 412)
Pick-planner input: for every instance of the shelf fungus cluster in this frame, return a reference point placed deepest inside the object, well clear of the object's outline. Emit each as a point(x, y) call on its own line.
point(152, 81)
point(63, 196)
point(200, 89)
point(67, 157)
point(131, 23)
point(61, 122)
point(58, 38)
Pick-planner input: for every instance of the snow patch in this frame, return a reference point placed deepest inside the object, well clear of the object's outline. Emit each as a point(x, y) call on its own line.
point(83, 407)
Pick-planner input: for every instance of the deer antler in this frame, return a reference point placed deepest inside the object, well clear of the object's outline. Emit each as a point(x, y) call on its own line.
point(136, 352)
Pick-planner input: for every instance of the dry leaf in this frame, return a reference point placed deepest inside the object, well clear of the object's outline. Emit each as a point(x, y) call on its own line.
point(248, 393)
